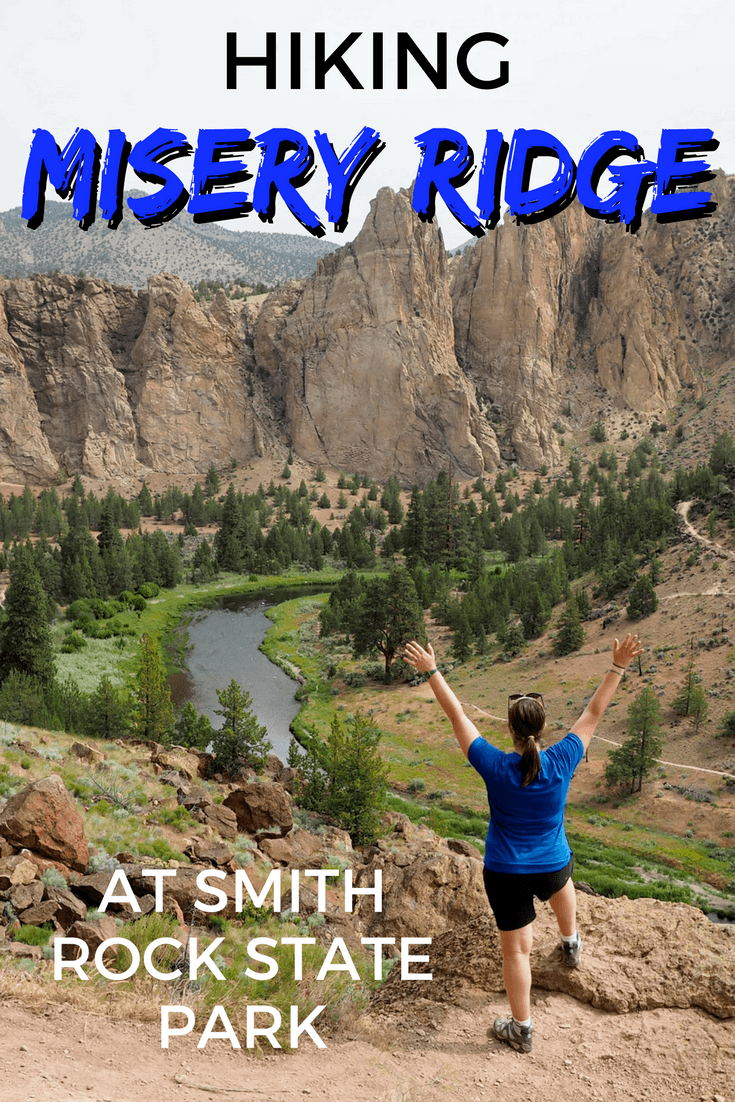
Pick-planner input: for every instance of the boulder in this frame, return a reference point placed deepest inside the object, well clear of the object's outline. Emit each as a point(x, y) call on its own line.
point(93, 934)
point(210, 852)
point(423, 896)
point(69, 908)
point(23, 896)
point(85, 752)
point(178, 761)
point(638, 954)
point(260, 806)
point(16, 870)
point(40, 913)
point(44, 817)
point(220, 818)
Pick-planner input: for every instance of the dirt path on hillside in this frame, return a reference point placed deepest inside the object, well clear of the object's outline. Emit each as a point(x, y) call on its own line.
point(579, 1054)
point(683, 510)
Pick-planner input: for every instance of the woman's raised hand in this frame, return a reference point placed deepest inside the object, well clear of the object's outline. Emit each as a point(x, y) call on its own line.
point(421, 660)
point(629, 648)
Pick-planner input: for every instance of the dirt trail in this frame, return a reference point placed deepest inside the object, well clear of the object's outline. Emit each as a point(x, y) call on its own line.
point(580, 1053)
point(683, 510)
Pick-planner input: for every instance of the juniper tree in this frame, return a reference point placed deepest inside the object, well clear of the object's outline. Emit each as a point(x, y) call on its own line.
point(388, 615)
point(151, 712)
point(630, 764)
point(642, 600)
point(25, 638)
point(571, 634)
point(241, 741)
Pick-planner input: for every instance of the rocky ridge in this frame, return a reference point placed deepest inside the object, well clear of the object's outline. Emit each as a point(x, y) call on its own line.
point(390, 359)
point(639, 954)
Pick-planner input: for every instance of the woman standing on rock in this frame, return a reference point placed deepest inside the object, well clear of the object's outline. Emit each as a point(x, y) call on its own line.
point(526, 851)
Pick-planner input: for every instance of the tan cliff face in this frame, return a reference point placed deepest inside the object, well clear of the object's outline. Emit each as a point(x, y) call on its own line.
point(110, 381)
point(566, 306)
point(390, 359)
point(362, 356)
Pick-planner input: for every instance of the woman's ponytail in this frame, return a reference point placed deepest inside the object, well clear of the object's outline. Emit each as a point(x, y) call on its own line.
point(526, 719)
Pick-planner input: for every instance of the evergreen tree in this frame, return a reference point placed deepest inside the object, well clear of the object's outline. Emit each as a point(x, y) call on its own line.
point(571, 634)
point(191, 729)
point(211, 482)
point(642, 600)
point(630, 764)
point(388, 615)
point(462, 642)
point(512, 637)
point(240, 742)
point(151, 712)
point(344, 776)
point(685, 698)
point(25, 638)
point(107, 712)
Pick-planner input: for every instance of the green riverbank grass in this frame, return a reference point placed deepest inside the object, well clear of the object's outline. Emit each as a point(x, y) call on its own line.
point(164, 616)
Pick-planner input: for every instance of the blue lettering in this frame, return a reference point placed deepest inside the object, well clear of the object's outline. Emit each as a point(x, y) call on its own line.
point(442, 174)
point(678, 146)
point(148, 159)
point(212, 172)
point(281, 174)
point(536, 204)
point(74, 172)
point(344, 172)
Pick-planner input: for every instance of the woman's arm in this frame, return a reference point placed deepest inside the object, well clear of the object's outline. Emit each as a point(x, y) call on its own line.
point(424, 661)
point(585, 726)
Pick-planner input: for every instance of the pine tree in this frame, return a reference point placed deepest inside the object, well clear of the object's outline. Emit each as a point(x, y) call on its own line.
point(642, 600)
point(388, 616)
point(25, 638)
point(151, 712)
point(191, 729)
point(630, 764)
point(106, 712)
point(344, 776)
point(462, 643)
point(687, 696)
point(571, 634)
point(241, 741)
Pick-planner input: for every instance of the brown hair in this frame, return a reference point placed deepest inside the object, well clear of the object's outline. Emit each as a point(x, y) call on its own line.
point(526, 719)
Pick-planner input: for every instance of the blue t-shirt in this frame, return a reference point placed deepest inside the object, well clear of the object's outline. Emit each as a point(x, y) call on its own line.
point(526, 831)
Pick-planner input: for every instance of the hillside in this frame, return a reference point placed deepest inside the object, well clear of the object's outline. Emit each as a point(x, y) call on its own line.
point(130, 255)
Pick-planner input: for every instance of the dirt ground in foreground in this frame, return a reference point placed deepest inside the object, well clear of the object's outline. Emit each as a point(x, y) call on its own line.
point(66, 1055)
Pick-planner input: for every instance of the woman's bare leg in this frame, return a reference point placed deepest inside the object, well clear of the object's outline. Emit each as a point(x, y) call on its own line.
point(517, 969)
point(564, 905)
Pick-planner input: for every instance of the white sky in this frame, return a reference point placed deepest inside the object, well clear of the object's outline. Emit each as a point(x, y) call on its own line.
point(576, 69)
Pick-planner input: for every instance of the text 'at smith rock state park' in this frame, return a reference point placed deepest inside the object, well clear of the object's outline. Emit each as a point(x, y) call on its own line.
point(286, 162)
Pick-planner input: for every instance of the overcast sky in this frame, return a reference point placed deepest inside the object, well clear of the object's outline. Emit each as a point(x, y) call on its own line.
point(576, 69)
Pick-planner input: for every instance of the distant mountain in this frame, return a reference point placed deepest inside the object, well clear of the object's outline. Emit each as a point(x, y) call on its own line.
point(131, 254)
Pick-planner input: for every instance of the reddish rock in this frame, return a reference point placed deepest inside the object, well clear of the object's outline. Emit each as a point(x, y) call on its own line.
point(92, 933)
point(261, 806)
point(220, 818)
point(42, 912)
point(44, 818)
point(69, 909)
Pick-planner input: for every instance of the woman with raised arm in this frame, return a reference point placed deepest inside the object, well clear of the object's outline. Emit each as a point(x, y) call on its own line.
point(526, 850)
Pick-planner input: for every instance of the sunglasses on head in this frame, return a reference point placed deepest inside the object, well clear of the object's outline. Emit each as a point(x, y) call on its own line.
point(513, 698)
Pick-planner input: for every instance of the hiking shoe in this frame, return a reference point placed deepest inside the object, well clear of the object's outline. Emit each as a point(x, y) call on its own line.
point(570, 953)
point(518, 1037)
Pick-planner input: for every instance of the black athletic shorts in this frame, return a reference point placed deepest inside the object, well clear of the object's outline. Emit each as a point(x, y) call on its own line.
point(510, 894)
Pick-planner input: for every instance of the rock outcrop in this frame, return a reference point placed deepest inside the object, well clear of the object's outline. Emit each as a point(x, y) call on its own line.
point(639, 954)
point(566, 307)
point(389, 360)
point(44, 818)
point(109, 382)
point(362, 356)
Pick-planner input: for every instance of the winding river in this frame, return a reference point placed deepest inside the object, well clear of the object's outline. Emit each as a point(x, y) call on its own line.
point(223, 644)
